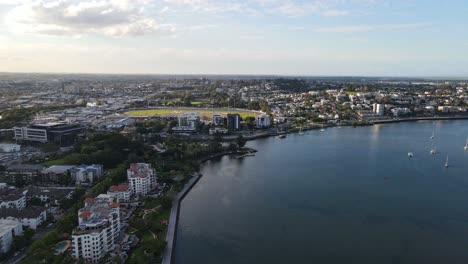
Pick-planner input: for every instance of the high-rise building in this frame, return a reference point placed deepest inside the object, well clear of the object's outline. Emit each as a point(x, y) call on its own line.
point(233, 121)
point(378, 109)
point(98, 228)
point(142, 178)
point(263, 121)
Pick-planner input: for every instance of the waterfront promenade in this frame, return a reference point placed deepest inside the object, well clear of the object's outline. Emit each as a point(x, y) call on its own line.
point(173, 219)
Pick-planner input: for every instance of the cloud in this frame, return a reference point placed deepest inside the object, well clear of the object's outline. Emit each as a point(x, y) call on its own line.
point(65, 17)
point(367, 28)
point(289, 8)
point(334, 13)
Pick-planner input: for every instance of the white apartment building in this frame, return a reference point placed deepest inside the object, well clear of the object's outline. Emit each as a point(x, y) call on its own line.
point(263, 121)
point(9, 228)
point(31, 217)
point(378, 109)
point(141, 178)
point(98, 228)
point(120, 193)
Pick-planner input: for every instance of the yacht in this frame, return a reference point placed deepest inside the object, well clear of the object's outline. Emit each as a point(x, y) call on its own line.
point(410, 154)
point(466, 144)
point(434, 150)
point(446, 163)
point(300, 131)
point(282, 136)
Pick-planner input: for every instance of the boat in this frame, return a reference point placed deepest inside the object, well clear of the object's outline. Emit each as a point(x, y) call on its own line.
point(282, 136)
point(410, 153)
point(433, 133)
point(446, 163)
point(434, 150)
point(300, 131)
point(466, 144)
point(323, 129)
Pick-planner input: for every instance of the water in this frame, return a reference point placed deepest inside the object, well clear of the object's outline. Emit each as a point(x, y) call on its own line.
point(348, 195)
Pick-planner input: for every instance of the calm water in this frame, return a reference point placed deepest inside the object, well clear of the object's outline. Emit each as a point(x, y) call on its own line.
point(349, 195)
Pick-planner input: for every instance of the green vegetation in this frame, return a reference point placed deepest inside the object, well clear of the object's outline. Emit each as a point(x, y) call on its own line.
point(206, 114)
point(21, 116)
point(108, 149)
point(149, 226)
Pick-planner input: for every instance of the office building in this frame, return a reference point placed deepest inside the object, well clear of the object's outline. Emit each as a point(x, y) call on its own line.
point(9, 228)
point(62, 134)
point(233, 121)
point(263, 121)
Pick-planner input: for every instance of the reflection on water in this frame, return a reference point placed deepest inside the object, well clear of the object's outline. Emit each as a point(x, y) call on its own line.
point(348, 195)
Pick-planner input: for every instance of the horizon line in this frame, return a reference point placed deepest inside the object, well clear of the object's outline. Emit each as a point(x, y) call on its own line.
point(459, 77)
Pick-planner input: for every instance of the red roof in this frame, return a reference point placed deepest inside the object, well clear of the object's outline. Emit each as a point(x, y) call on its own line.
point(114, 205)
point(89, 200)
point(119, 188)
point(85, 214)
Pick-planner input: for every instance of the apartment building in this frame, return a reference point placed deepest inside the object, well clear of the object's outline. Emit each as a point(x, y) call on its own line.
point(142, 178)
point(98, 228)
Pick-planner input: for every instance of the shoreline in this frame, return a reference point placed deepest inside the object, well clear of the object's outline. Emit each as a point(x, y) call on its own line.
point(168, 254)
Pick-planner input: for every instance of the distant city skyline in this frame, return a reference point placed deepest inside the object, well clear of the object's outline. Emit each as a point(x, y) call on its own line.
point(264, 37)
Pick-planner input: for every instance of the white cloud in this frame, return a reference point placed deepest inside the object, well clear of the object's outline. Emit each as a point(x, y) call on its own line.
point(65, 17)
point(334, 13)
point(367, 28)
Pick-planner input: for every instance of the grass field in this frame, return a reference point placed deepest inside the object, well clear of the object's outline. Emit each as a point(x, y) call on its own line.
point(206, 114)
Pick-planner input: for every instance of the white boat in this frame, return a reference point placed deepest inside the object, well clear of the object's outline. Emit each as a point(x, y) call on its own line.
point(300, 131)
point(434, 150)
point(466, 144)
point(410, 154)
point(446, 162)
point(323, 129)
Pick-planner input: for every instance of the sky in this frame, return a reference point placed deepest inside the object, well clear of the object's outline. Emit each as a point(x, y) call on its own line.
point(278, 37)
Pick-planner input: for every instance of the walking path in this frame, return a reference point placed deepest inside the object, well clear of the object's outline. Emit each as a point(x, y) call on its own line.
point(173, 219)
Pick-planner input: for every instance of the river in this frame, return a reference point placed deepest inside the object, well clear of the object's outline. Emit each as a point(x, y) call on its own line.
point(347, 195)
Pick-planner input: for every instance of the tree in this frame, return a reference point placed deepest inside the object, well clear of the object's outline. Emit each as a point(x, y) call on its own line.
point(35, 201)
point(166, 202)
point(241, 141)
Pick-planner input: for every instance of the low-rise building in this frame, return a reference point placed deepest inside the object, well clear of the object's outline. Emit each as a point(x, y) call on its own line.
point(57, 173)
point(12, 198)
point(86, 175)
point(142, 178)
point(27, 173)
point(31, 217)
point(98, 228)
point(62, 134)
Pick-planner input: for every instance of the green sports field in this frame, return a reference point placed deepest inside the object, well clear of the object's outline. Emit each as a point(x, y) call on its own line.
point(206, 114)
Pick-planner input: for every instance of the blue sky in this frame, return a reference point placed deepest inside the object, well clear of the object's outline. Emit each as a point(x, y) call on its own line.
point(286, 37)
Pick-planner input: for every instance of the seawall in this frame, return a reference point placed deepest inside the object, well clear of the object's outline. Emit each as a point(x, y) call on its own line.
point(174, 219)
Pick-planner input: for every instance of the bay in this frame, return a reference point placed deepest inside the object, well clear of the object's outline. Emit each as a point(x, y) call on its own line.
point(347, 195)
